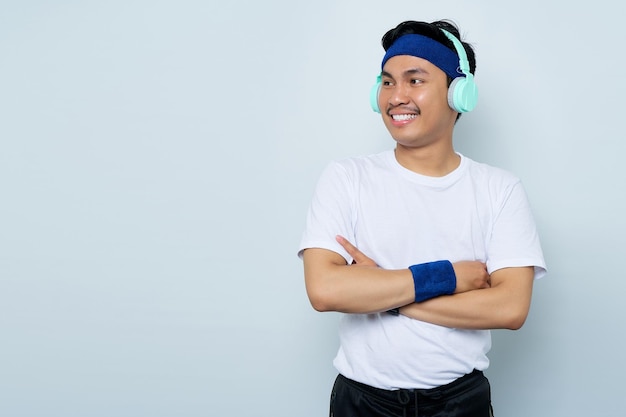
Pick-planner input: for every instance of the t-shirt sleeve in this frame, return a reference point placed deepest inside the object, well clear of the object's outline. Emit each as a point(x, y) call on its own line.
point(514, 240)
point(331, 212)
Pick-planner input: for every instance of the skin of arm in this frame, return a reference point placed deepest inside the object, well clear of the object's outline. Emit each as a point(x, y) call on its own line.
point(363, 287)
point(332, 285)
point(503, 304)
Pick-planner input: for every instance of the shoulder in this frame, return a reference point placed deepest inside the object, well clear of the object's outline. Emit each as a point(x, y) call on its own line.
point(499, 186)
point(358, 166)
point(491, 175)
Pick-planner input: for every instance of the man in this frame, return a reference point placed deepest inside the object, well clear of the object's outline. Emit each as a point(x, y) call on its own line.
point(447, 247)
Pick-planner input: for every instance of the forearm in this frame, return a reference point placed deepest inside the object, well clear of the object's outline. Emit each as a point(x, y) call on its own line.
point(503, 306)
point(364, 288)
point(336, 286)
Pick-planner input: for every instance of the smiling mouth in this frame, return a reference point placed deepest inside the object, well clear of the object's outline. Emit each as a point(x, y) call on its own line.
point(403, 117)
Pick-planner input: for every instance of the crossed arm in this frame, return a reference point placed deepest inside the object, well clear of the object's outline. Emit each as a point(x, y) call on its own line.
point(480, 301)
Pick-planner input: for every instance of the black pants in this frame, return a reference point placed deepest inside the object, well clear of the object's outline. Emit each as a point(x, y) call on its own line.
point(468, 396)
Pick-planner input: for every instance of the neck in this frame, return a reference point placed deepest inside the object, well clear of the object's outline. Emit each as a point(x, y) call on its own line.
point(428, 161)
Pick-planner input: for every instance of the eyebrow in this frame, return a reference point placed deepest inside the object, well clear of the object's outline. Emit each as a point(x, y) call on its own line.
point(409, 72)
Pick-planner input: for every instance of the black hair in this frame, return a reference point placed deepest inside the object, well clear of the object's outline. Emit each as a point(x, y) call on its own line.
point(433, 31)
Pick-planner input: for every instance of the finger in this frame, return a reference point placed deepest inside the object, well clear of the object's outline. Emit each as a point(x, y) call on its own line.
point(357, 256)
point(352, 250)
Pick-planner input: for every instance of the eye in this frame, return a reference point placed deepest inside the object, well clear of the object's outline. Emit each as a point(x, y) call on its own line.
point(387, 83)
point(416, 81)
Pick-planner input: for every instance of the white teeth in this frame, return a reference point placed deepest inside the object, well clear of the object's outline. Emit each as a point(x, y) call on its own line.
point(403, 117)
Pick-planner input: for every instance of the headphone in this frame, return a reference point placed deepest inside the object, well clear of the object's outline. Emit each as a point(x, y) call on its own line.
point(462, 93)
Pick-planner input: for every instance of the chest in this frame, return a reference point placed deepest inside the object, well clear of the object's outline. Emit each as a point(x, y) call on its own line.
point(405, 223)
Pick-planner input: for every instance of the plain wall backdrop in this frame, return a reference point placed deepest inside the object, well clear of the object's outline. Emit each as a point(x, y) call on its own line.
point(156, 163)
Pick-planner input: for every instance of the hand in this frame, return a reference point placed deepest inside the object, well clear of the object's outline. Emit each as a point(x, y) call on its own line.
point(471, 275)
point(359, 257)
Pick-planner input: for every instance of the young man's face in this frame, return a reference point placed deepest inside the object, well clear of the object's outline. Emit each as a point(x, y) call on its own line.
point(414, 103)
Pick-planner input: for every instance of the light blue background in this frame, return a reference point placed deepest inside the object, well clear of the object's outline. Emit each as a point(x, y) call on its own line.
point(157, 159)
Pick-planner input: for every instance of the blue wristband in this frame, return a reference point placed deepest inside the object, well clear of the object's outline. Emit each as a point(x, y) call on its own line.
point(433, 279)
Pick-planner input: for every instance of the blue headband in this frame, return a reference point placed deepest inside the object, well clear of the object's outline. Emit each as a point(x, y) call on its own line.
point(429, 49)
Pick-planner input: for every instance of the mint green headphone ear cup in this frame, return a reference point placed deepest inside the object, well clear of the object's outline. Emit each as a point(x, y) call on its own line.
point(374, 95)
point(463, 94)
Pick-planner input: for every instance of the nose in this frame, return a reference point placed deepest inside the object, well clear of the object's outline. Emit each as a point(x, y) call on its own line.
point(399, 95)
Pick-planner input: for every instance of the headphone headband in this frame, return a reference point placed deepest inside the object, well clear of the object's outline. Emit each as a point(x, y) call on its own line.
point(460, 50)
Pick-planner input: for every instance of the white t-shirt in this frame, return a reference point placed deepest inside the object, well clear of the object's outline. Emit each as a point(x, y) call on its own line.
point(400, 218)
